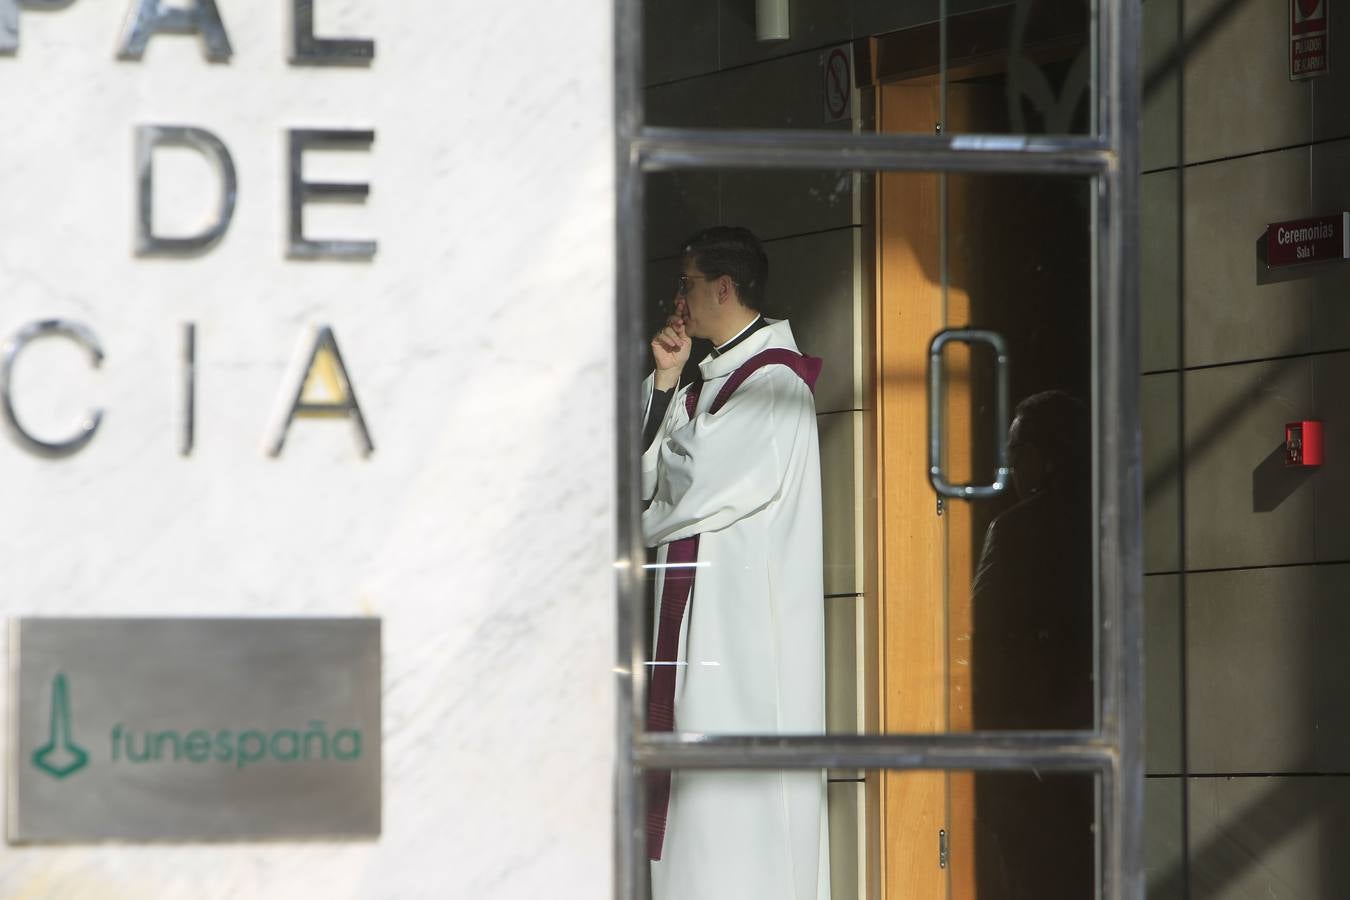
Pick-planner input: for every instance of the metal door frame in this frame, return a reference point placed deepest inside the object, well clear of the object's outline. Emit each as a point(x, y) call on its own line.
point(1114, 752)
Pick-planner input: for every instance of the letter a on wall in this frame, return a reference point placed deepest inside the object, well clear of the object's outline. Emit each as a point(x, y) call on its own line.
point(150, 17)
point(323, 373)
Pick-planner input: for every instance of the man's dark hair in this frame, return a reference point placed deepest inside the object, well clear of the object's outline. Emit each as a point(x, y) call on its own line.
point(734, 252)
point(1058, 425)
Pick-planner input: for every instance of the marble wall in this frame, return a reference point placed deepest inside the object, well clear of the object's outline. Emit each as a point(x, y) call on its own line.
point(479, 342)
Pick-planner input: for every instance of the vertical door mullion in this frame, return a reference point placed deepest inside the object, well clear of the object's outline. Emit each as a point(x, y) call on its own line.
point(629, 802)
point(1119, 556)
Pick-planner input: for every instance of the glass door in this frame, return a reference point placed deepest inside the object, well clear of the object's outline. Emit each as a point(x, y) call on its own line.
point(943, 208)
point(984, 523)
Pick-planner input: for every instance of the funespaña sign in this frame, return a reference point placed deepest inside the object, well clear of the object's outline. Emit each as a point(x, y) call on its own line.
point(147, 20)
point(222, 728)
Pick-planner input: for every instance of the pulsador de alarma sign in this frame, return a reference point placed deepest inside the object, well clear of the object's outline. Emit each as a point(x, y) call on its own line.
point(1307, 38)
point(182, 729)
point(1301, 241)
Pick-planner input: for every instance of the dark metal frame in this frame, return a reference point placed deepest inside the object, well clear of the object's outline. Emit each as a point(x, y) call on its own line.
point(1114, 751)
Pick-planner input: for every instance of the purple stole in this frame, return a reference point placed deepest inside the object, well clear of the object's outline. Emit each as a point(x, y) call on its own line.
point(681, 565)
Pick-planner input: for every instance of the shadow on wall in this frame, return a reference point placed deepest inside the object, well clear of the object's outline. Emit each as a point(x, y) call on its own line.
point(1290, 826)
point(1269, 683)
point(1273, 482)
point(1196, 36)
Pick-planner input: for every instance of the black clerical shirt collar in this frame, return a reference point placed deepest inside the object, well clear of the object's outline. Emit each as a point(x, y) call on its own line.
point(745, 333)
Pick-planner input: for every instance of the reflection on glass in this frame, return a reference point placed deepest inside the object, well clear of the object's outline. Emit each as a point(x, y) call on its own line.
point(1021, 67)
point(1034, 836)
point(1033, 665)
point(924, 835)
point(1019, 590)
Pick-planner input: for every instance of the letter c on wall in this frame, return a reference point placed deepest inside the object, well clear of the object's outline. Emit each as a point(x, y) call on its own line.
point(26, 335)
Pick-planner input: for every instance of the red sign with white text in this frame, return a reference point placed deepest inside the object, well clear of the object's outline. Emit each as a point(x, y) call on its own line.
point(1307, 38)
point(1308, 240)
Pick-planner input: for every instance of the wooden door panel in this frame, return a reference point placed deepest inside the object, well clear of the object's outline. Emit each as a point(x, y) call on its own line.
point(912, 670)
point(925, 561)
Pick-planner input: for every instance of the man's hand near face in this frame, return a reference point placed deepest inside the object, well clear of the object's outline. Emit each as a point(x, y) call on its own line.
point(670, 350)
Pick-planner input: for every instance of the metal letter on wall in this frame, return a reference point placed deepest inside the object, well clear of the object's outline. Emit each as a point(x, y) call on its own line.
point(308, 50)
point(9, 19)
point(148, 137)
point(192, 728)
point(151, 17)
point(26, 335)
point(298, 141)
point(189, 424)
point(345, 406)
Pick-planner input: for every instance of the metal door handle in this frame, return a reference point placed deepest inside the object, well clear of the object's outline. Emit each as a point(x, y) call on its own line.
point(935, 474)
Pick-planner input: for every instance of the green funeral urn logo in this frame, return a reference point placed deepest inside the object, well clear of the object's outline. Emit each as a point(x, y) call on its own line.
point(60, 757)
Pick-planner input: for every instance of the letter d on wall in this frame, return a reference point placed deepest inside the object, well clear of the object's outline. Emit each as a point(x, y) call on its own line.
point(149, 137)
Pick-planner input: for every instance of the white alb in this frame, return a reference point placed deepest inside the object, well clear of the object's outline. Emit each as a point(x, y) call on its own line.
point(752, 644)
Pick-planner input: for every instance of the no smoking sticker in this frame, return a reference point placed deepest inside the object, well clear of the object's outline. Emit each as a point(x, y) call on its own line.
point(837, 73)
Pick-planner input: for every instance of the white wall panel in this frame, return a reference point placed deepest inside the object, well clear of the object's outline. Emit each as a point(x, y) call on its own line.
point(479, 341)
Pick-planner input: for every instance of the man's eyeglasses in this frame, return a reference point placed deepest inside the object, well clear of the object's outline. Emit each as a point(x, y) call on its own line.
point(682, 285)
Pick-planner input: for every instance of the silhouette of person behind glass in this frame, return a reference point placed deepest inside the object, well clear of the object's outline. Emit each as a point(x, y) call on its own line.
point(1033, 585)
point(1032, 654)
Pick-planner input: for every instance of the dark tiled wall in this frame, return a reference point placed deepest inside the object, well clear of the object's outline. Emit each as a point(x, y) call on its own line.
point(1246, 593)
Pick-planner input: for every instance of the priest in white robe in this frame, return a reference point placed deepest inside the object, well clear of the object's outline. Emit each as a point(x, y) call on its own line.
point(739, 468)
